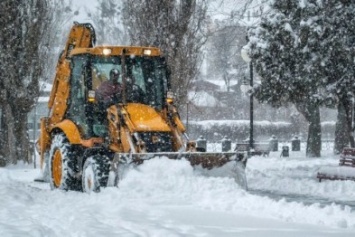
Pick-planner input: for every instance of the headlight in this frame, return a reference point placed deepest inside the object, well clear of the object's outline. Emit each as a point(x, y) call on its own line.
point(147, 52)
point(106, 51)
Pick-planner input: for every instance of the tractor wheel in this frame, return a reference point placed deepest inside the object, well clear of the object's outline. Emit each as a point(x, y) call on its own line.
point(61, 164)
point(95, 173)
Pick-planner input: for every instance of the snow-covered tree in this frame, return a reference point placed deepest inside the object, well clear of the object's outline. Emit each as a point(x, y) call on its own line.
point(287, 75)
point(22, 25)
point(337, 66)
point(303, 52)
point(225, 41)
point(177, 27)
point(54, 37)
point(107, 22)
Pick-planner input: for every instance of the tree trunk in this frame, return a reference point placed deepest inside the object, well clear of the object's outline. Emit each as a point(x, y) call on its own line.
point(314, 140)
point(2, 139)
point(14, 138)
point(8, 136)
point(20, 131)
point(343, 127)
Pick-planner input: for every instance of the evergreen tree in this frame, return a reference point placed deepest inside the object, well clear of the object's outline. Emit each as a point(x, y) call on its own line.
point(286, 73)
point(302, 51)
point(225, 38)
point(337, 67)
point(108, 24)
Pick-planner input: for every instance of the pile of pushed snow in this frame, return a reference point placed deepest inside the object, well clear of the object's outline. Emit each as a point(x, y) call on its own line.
point(170, 181)
point(166, 180)
point(142, 204)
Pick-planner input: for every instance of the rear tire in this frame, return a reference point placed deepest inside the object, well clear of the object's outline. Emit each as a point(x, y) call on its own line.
point(61, 164)
point(95, 173)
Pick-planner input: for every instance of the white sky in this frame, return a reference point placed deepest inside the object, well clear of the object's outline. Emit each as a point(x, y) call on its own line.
point(81, 5)
point(217, 10)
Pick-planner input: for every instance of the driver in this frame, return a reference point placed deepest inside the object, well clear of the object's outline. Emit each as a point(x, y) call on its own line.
point(108, 93)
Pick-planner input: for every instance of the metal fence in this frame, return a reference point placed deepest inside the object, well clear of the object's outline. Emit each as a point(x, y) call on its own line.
point(293, 144)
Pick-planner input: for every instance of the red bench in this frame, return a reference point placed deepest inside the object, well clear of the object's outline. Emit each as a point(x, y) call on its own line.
point(347, 157)
point(347, 161)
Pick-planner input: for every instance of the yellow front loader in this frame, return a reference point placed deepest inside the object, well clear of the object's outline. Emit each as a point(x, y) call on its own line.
point(83, 142)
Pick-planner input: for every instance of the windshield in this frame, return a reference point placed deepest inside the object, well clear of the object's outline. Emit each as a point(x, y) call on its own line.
point(147, 74)
point(90, 72)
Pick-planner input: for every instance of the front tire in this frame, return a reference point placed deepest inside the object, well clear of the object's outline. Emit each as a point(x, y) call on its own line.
point(95, 173)
point(61, 164)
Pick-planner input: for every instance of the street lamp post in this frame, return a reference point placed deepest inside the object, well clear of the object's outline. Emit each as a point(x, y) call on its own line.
point(187, 116)
point(246, 58)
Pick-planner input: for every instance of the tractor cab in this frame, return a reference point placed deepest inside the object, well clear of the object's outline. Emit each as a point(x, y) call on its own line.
point(142, 79)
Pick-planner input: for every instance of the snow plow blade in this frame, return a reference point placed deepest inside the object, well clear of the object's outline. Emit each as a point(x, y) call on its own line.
point(220, 164)
point(207, 160)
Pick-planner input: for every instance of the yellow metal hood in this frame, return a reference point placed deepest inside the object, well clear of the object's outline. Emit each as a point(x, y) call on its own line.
point(145, 119)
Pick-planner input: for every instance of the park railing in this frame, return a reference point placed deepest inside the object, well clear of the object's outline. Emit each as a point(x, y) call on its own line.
point(260, 147)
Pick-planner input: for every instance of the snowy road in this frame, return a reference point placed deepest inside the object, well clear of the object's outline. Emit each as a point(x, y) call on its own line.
point(166, 198)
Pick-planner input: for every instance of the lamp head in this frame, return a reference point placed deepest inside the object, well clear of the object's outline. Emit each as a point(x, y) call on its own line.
point(245, 53)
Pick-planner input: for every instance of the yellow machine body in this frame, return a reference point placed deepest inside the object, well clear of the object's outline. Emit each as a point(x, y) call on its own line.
point(127, 128)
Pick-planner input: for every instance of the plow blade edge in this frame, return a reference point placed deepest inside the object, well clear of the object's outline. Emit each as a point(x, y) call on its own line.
point(207, 160)
point(218, 164)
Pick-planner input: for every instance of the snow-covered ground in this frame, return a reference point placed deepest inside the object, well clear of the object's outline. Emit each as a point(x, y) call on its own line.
point(167, 198)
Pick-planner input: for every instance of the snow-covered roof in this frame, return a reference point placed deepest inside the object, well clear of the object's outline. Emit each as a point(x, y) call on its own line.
point(221, 83)
point(203, 99)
